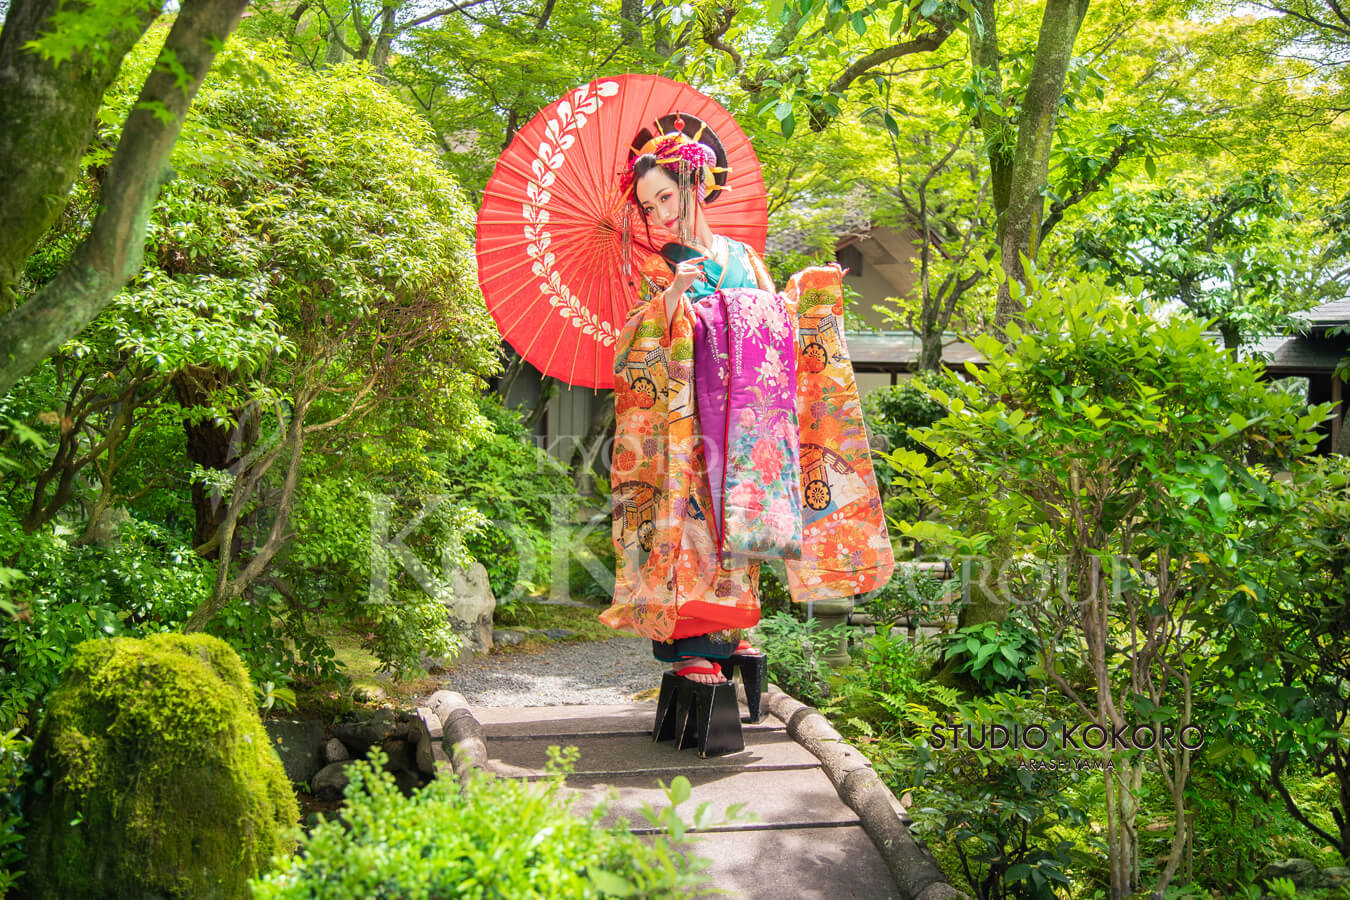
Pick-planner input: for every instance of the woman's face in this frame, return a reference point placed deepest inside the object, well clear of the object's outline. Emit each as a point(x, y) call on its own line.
point(659, 197)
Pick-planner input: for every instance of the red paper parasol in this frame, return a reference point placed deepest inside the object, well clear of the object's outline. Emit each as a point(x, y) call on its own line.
point(550, 257)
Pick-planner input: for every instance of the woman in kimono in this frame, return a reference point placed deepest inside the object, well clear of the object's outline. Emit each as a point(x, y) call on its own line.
point(692, 455)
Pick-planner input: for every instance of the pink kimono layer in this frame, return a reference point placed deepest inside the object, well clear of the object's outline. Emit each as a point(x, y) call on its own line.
point(668, 569)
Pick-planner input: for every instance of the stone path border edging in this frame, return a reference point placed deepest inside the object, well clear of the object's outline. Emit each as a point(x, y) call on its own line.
point(913, 870)
point(915, 873)
point(461, 745)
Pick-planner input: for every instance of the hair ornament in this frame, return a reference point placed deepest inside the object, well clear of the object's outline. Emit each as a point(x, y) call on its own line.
point(680, 142)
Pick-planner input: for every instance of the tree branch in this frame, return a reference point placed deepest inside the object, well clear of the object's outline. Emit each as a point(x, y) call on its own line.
point(113, 252)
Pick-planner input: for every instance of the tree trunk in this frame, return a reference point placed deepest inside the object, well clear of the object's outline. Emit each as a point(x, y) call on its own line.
point(47, 118)
point(630, 12)
point(334, 53)
point(380, 58)
point(998, 138)
point(930, 350)
point(507, 379)
point(548, 389)
point(211, 445)
point(116, 244)
point(1020, 223)
point(250, 476)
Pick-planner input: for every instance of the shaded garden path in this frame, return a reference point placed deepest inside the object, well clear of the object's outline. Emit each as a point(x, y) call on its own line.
point(803, 840)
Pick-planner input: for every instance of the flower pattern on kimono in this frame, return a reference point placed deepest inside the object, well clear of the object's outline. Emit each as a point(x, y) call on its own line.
point(760, 309)
point(772, 373)
point(781, 518)
point(768, 460)
point(747, 496)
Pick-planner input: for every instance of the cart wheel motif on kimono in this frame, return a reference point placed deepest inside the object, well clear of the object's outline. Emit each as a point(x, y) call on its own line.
point(816, 356)
point(646, 531)
point(646, 392)
point(817, 494)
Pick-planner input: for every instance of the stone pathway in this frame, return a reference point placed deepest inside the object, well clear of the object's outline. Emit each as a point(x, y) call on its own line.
point(804, 841)
point(805, 844)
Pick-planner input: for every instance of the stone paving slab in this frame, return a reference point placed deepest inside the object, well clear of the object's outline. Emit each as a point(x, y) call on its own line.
point(778, 799)
point(805, 844)
point(635, 753)
point(800, 863)
point(623, 718)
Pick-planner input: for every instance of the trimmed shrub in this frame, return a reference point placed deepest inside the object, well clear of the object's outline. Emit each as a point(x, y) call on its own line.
point(487, 838)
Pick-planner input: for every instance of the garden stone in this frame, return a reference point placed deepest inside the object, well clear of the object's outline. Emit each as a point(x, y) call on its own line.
point(443, 703)
point(369, 693)
point(428, 732)
point(335, 751)
point(508, 637)
point(1302, 872)
point(109, 526)
point(396, 753)
point(331, 780)
point(299, 744)
point(471, 606)
point(407, 782)
point(163, 781)
point(1337, 874)
point(362, 735)
point(558, 634)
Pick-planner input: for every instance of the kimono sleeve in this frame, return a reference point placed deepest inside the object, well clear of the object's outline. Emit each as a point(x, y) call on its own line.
point(647, 317)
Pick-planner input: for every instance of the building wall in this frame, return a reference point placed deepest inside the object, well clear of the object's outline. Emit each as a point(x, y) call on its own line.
point(886, 270)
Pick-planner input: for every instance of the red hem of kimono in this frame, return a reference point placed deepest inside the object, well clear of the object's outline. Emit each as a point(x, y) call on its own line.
point(715, 617)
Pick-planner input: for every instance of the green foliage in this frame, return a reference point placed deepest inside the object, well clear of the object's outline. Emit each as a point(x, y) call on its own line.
point(872, 696)
point(85, 29)
point(144, 581)
point(1121, 462)
point(591, 560)
point(162, 779)
point(524, 495)
point(796, 652)
point(310, 255)
point(1284, 652)
point(485, 837)
point(1229, 252)
point(911, 593)
point(14, 773)
point(774, 596)
point(895, 409)
point(1015, 816)
point(993, 654)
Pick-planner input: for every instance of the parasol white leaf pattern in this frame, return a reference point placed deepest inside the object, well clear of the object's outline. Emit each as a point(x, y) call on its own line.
point(559, 136)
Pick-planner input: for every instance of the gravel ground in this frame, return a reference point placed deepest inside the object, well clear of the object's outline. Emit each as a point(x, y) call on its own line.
point(613, 671)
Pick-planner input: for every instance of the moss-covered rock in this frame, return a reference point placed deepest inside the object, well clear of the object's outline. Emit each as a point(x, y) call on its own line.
point(162, 781)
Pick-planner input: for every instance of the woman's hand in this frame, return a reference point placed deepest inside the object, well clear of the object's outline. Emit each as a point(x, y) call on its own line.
point(686, 273)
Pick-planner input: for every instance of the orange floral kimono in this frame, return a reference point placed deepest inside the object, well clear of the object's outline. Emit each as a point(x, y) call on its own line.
point(671, 581)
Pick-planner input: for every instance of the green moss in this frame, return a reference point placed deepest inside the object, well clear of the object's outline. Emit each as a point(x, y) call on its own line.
point(163, 782)
point(584, 621)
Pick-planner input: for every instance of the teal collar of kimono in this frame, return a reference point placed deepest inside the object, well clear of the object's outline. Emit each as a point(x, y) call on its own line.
point(738, 272)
